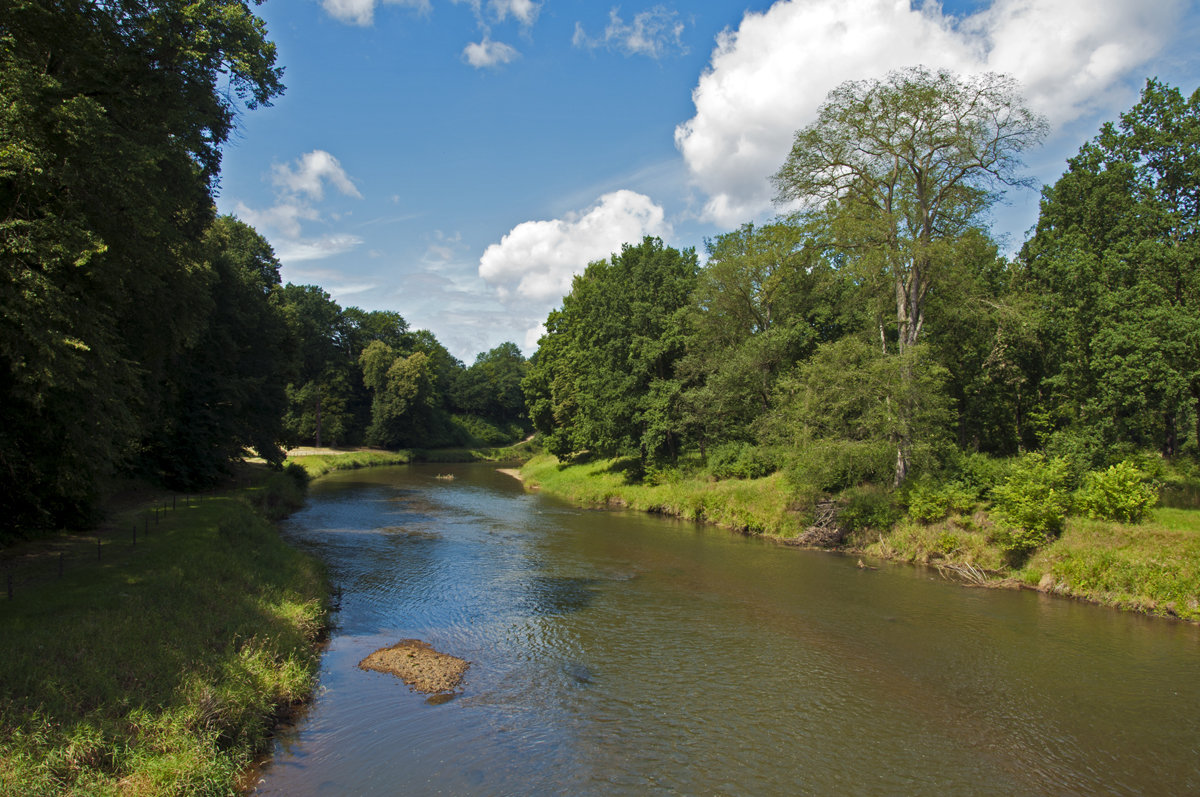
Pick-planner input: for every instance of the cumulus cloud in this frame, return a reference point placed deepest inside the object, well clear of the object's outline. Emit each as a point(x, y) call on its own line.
point(362, 12)
point(487, 53)
point(768, 78)
point(537, 259)
point(654, 33)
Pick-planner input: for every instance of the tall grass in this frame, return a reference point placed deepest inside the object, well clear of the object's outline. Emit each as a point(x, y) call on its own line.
point(160, 672)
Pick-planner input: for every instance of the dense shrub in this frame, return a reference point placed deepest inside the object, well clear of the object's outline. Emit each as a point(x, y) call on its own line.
point(741, 461)
point(1122, 492)
point(833, 465)
point(869, 507)
point(1032, 502)
point(930, 501)
point(477, 431)
point(980, 472)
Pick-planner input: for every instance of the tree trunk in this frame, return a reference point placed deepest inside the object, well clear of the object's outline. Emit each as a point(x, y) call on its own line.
point(901, 465)
point(318, 419)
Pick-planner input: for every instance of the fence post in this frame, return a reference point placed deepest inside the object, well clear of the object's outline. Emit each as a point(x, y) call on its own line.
point(134, 535)
point(60, 564)
point(97, 548)
point(10, 585)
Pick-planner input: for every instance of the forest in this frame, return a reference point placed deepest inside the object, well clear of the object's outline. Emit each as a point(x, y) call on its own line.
point(874, 343)
point(874, 335)
point(141, 334)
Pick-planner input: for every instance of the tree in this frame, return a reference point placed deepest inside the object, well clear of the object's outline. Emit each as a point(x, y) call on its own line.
point(904, 166)
point(1115, 263)
point(846, 409)
point(766, 298)
point(491, 387)
point(112, 115)
point(404, 404)
point(603, 379)
point(322, 383)
point(225, 392)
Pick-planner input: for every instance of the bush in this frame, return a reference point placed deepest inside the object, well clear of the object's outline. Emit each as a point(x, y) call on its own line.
point(832, 465)
point(981, 472)
point(1122, 492)
point(740, 461)
point(1032, 502)
point(869, 507)
point(928, 501)
point(283, 492)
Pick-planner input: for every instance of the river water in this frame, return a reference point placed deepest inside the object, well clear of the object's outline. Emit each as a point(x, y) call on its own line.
point(619, 653)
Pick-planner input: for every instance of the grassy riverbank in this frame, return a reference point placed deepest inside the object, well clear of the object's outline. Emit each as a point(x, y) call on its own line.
point(1151, 567)
point(160, 667)
point(318, 462)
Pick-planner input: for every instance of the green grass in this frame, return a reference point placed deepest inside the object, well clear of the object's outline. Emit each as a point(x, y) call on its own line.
point(318, 465)
point(758, 506)
point(159, 669)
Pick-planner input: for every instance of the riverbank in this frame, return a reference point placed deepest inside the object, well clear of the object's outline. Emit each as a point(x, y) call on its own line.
point(1152, 567)
point(319, 461)
point(159, 663)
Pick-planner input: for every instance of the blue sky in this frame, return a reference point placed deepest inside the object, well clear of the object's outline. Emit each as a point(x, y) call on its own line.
point(458, 160)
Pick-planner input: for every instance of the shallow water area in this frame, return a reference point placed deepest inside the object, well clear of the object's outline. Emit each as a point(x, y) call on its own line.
point(617, 653)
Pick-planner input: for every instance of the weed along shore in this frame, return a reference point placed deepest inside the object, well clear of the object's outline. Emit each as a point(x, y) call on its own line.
point(1152, 567)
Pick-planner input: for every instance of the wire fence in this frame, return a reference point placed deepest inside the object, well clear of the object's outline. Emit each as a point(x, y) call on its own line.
point(113, 543)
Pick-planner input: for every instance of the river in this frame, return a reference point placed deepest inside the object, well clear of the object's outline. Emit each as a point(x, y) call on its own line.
point(619, 653)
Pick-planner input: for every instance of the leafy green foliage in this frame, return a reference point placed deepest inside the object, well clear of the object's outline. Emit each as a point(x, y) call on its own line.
point(1114, 261)
point(1033, 502)
point(741, 461)
point(112, 116)
point(603, 378)
point(1122, 492)
point(930, 501)
point(869, 507)
point(849, 409)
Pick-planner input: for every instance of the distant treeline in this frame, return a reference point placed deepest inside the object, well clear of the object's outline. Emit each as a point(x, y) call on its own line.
point(139, 333)
point(878, 333)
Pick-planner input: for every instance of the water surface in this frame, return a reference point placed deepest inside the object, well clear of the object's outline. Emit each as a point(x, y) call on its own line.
point(619, 653)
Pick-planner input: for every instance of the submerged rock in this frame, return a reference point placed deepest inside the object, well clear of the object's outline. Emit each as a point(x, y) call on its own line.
point(418, 665)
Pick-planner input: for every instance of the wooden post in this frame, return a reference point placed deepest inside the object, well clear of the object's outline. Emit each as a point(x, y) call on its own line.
point(10, 585)
point(97, 548)
point(60, 564)
point(134, 535)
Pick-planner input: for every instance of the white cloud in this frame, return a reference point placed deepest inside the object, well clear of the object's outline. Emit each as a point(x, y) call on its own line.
point(768, 78)
point(488, 53)
point(299, 250)
point(654, 33)
point(284, 217)
point(298, 186)
point(537, 259)
point(525, 11)
point(362, 12)
point(310, 173)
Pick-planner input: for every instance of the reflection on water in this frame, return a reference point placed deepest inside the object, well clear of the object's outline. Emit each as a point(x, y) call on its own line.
point(618, 653)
